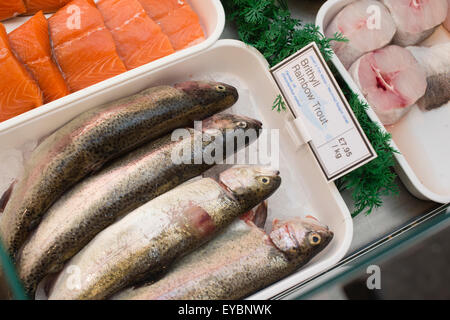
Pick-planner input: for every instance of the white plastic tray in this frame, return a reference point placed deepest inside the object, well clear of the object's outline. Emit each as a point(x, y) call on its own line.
point(212, 18)
point(422, 138)
point(304, 190)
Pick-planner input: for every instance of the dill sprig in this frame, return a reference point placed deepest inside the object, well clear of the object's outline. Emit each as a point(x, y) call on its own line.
point(375, 179)
point(279, 104)
point(268, 26)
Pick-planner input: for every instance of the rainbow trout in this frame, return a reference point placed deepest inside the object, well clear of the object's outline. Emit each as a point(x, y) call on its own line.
point(239, 262)
point(87, 142)
point(119, 188)
point(149, 239)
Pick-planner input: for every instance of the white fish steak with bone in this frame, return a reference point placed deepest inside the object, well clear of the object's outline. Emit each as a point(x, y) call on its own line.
point(391, 80)
point(366, 24)
point(416, 19)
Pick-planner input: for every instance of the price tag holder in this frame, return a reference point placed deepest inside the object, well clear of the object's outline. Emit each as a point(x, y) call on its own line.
point(313, 95)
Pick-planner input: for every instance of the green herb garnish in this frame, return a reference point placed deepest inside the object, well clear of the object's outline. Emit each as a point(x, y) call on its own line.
point(268, 26)
point(375, 179)
point(279, 104)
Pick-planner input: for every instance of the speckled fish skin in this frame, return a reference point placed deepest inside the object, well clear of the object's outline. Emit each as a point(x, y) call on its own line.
point(149, 239)
point(239, 262)
point(87, 142)
point(119, 188)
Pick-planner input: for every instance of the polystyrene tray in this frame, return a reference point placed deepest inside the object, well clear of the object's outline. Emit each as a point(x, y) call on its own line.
point(212, 18)
point(421, 137)
point(304, 189)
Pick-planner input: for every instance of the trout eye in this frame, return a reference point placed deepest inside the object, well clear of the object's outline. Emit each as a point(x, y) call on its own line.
point(264, 180)
point(220, 88)
point(314, 239)
point(241, 124)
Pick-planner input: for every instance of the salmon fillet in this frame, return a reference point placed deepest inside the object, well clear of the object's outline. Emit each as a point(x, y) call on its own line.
point(83, 47)
point(177, 20)
point(47, 6)
point(183, 27)
point(19, 92)
point(31, 43)
point(11, 8)
point(33, 6)
point(156, 9)
point(138, 38)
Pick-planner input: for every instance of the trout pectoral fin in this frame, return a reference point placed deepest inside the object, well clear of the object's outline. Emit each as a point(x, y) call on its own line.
point(261, 214)
point(257, 215)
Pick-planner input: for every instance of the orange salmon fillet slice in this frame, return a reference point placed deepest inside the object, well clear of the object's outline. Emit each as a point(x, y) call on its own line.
point(183, 27)
point(156, 9)
point(19, 92)
point(47, 6)
point(138, 38)
point(31, 43)
point(84, 48)
point(11, 8)
point(177, 20)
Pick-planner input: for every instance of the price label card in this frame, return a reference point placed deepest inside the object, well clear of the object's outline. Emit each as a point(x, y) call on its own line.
point(312, 94)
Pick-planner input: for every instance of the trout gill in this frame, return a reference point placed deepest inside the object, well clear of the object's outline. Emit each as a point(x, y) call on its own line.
point(87, 142)
point(149, 239)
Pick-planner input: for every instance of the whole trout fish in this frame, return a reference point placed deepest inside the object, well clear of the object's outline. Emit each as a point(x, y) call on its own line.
point(121, 187)
point(149, 239)
point(87, 142)
point(239, 262)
